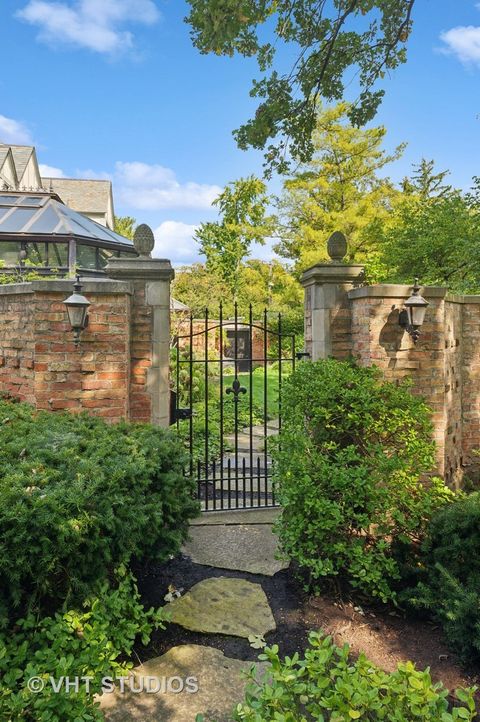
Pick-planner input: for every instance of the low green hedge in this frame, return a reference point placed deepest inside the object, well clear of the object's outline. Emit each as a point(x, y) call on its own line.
point(78, 497)
point(328, 685)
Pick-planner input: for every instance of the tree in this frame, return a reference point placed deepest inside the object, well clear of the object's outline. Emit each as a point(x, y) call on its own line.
point(338, 190)
point(425, 182)
point(243, 221)
point(436, 239)
point(125, 226)
point(365, 37)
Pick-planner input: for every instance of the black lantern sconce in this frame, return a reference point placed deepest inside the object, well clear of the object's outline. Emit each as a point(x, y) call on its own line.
point(77, 309)
point(411, 318)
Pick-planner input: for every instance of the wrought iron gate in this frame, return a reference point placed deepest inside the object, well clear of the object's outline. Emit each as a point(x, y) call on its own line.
point(227, 404)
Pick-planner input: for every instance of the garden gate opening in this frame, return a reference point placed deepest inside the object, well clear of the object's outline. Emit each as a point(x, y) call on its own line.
point(227, 404)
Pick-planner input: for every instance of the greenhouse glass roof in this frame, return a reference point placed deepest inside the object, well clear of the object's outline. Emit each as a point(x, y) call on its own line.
point(38, 214)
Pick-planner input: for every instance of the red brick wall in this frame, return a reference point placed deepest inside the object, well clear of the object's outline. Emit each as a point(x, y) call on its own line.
point(444, 365)
point(41, 364)
point(17, 346)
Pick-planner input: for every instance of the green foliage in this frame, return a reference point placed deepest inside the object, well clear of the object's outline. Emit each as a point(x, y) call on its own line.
point(125, 226)
point(93, 642)
point(226, 243)
point(349, 471)
point(449, 573)
point(78, 497)
point(327, 685)
point(438, 237)
point(338, 190)
point(330, 42)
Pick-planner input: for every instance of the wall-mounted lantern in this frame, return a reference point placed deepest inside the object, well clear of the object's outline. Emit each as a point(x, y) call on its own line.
point(77, 309)
point(411, 318)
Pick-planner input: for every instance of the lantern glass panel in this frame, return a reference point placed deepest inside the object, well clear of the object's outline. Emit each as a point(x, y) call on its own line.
point(77, 316)
point(417, 315)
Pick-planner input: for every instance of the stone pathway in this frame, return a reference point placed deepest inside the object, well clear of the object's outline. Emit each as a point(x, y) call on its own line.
point(241, 540)
point(224, 606)
point(219, 680)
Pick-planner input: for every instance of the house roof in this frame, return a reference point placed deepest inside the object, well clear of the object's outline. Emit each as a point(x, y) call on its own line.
point(42, 214)
point(85, 196)
point(21, 156)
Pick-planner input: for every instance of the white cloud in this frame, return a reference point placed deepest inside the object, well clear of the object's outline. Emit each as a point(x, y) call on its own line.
point(13, 131)
point(174, 239)
point(92, 24)
point(153, 187)
point(464, 42)
point(49, 171)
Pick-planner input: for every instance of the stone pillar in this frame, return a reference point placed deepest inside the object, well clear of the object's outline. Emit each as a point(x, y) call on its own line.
point(327, 307)
point(150, 329)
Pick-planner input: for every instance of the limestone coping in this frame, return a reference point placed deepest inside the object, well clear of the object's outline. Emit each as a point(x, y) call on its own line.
point(65, 285)
point(332, 273)
point(393, 290)
point(139, 269)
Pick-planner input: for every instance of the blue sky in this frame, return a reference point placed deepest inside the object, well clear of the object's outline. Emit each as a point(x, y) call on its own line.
point(114, 88)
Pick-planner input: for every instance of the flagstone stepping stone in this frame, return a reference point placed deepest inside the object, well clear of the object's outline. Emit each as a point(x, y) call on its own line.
point(223, 606)
point(244, 547)
point(219, 679)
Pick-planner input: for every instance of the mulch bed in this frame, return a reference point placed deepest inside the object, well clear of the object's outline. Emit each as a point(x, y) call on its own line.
point(385, 635)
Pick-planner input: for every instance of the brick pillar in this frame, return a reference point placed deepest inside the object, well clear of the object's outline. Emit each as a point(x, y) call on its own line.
point(327, 307)
point(150, 329)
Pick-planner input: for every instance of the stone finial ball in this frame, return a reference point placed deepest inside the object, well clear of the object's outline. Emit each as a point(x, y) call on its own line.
point(144, 240)
point(337, 247)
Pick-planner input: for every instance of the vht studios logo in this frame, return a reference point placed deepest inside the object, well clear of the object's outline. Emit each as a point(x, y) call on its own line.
point(131, 683)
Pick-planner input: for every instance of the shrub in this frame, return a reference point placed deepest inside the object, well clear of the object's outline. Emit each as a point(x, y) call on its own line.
point(73, 643)
point(449, 572)
point(354, 449)
point(328, 685)
point(78, 497)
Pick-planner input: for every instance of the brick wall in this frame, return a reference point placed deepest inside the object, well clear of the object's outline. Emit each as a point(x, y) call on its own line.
point(39, 362)
point(444, 365)
point(17, 346)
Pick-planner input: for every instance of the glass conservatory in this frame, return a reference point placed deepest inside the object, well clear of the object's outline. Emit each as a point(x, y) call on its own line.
point(37, 229)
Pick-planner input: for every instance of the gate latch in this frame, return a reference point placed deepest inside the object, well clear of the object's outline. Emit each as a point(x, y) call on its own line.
point(177, 414)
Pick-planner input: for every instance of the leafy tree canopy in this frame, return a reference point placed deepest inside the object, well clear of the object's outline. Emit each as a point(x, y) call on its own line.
point(436, 239)
point(425, 182)
point(366, 37)
point(338, 190)
point(243, 221)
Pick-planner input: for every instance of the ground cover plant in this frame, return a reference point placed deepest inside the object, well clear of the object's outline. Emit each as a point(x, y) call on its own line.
point(93, 641)
point(328, 685)
point(350, 475)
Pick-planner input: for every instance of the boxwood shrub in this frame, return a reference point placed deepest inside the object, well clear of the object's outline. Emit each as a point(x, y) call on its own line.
point(78, 497)
point(350, 474)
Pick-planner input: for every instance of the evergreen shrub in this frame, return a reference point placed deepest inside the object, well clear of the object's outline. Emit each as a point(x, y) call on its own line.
point(78, 497)
point(350, 475)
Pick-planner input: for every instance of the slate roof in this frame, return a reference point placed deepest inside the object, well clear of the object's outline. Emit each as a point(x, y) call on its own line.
point(85, 196)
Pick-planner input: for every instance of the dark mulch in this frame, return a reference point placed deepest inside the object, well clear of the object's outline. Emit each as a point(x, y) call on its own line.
point(386, 636)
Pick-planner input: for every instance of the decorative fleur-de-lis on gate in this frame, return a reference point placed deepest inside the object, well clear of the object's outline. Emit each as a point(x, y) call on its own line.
point(236, 390)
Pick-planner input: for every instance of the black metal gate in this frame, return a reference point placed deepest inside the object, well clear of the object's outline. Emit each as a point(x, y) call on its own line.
point(227, 404)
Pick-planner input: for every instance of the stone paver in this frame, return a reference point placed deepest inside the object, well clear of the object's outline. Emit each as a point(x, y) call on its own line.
point(223, 606)
point(245, 547)
point(220, 686)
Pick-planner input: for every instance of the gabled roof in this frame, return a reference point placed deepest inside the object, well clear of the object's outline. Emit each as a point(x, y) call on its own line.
point(85, 196)
point(42, 214)
point(21, 156)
